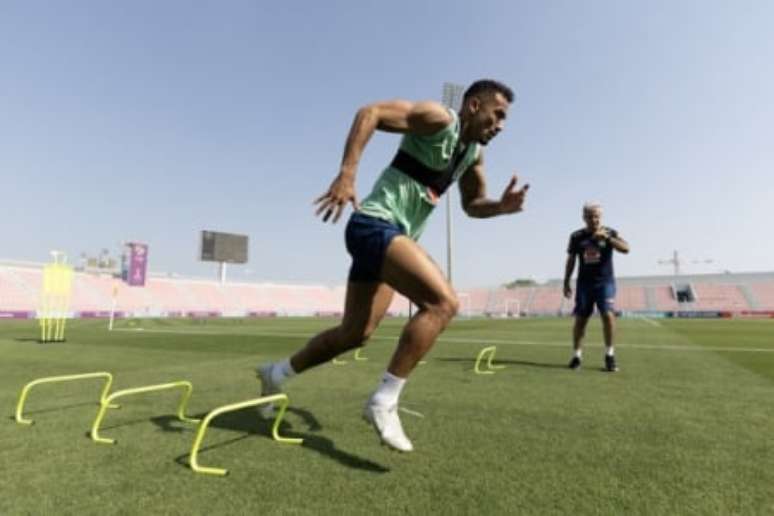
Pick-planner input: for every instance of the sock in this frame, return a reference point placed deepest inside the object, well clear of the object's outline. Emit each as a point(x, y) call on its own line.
point(578, 353)
point(388, 391)
point(610, 351)
point(282, 371)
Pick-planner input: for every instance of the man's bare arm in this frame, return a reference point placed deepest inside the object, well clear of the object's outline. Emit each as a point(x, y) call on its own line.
point(474, 199)
point(619, 244)
point(569, 267)
point(397, 116)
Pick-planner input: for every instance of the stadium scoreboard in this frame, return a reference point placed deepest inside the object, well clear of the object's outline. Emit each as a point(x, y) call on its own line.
point(223, 247)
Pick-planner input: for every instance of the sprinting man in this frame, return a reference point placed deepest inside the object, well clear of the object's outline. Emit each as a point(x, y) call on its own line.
point(438, 148)
point(593, 246)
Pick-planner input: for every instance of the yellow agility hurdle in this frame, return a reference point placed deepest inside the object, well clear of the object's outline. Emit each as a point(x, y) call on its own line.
point(358, 358)
point(280, 399)
point(105, 404)
point(53, 379)
point(490, 351)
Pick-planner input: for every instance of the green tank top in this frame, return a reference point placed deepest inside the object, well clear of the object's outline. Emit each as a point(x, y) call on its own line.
point(402, 200)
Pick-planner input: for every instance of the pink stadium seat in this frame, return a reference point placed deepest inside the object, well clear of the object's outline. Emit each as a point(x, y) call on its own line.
point(719, 296)
point(764, 294)
point(631, 298)
point(549, 300)
point(665, 299)
point(20, 288)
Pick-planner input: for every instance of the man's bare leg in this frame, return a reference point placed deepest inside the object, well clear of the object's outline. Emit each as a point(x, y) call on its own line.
point(410, 271)
point(364, 308)
point(578, 331)
point(608, 329)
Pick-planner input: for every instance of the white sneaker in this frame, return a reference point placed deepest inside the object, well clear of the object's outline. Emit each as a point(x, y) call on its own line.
point(386, 422)
point(268, 387)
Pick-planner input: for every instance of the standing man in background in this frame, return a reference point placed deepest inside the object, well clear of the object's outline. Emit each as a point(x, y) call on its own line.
point(593, 246)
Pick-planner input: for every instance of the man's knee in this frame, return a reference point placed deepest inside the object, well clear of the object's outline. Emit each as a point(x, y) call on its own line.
point(354, 336)
point(446, 307)
point(608, 317)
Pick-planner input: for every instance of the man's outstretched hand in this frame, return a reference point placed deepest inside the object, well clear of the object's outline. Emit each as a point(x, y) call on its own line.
point(332, 202)
point(512, 200)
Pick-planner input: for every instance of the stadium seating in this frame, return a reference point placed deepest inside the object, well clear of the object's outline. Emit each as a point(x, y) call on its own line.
point(631, 298)
point(664, 298)
point(548, 300)
point(19, 288)
point(20, 291)
point(718, 296)
point(764, 294)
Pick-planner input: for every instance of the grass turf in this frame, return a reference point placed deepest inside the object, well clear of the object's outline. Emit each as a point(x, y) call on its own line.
point(682, 429)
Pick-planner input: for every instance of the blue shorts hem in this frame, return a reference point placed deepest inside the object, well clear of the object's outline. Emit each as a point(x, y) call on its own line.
point(367, 239)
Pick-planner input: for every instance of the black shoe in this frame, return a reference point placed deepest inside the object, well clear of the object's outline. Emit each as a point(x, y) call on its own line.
point(610, 365)
point(575, 363)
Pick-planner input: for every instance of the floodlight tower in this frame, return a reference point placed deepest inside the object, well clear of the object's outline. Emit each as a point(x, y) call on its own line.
point(451, 98)
point(676, 262)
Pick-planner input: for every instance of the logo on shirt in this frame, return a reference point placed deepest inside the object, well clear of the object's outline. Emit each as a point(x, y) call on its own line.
point(591, 255)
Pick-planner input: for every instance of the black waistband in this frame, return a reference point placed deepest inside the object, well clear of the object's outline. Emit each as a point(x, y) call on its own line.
point(437, 180)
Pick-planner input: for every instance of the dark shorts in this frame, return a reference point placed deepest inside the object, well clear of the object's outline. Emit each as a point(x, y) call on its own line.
point(601, 294)
point(367, 239)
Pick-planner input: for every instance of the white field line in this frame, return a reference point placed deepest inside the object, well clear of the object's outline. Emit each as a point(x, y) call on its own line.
point(412, 412)
point(650, 321)
point(469, 340)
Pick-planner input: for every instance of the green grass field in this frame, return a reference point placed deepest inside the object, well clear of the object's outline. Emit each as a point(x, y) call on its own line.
point(686, 426)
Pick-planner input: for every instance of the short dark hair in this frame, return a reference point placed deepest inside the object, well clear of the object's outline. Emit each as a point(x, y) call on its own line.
point(488, 86)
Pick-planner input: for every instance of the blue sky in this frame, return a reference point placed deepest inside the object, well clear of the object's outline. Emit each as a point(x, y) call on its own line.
point(151, 121)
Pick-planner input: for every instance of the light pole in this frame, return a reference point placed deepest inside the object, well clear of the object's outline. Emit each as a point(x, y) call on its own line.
point(676, 262)
point(451, 98)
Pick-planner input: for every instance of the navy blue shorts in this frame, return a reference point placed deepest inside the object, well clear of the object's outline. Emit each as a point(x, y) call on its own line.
point(367, 240)
point(586, 296)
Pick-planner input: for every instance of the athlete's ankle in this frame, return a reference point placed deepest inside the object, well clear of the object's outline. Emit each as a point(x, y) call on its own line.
point(389, 389)
point(282, 371)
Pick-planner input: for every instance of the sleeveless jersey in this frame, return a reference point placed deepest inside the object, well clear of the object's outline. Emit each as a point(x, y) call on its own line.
point(407, 197)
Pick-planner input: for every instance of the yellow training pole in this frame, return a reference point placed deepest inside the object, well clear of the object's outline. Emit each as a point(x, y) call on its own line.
point(59, 303)
point(280, 399)
point(49, 281)
point(52, 379)
point(139, 390)
point(55, 298)
point(64, 289)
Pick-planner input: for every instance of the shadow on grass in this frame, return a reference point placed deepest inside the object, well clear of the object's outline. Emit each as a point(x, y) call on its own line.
point(497, 361)
point(253, 424)
point(38, 341)
point(57, 409)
